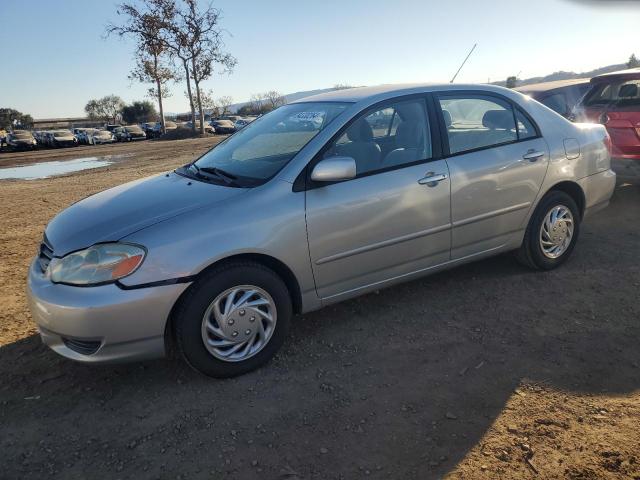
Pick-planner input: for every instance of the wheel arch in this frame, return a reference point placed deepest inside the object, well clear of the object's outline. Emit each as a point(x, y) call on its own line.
point(574, 191)
point(279, 267)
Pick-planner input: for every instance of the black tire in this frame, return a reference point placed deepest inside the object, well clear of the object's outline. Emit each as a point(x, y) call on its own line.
point(187, 321)
point(530, 252)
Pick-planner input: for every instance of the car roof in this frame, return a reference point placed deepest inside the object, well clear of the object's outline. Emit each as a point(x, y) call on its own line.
point(544, 86)
point(357, 94)
point(630, 73)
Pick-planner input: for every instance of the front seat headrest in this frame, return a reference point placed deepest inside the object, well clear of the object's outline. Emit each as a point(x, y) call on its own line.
point(360, 131)
point(409, 135)
point(447, 118)
point(502, 119)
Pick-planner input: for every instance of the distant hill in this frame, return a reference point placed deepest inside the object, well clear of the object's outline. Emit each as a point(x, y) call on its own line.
point(566, 75)
point(290, 97)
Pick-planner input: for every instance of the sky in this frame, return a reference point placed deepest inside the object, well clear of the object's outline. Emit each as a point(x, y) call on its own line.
point(55, 57)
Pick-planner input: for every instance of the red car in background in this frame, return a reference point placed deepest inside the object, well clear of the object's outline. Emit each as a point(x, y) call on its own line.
point(614, 101)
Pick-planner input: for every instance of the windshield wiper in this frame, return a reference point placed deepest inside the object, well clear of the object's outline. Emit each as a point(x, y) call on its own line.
point(227, 178)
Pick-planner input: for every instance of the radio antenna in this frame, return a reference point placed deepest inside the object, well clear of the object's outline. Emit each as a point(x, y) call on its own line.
point(465, 61)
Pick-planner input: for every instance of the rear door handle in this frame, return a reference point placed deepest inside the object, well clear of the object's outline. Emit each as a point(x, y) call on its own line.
point(533, 155)
point(432, 179)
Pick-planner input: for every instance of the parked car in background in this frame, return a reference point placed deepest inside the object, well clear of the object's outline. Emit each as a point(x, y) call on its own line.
point(241, 123)
point(83, 135)
point(614, 101)
point(207, 127)
point(129, 133)
point(62, 138)
point(204, 258)
point(154, 130)
point(232, 118)
point(148, 129)
point(43, 138)
point(560, 96)
point(20, 140)
point(223, 126)
point(99, 137)
point(112, 127)
point(39, 137)
point(168, 125)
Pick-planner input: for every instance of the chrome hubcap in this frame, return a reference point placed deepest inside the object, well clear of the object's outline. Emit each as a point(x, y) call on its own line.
point(239, 323)
point(556, 231)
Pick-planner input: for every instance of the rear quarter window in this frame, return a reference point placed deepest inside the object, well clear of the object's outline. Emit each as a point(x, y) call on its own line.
point(614, 93)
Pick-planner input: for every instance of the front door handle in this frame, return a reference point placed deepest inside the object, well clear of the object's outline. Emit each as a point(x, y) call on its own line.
point(432, 179)
point(533, 155)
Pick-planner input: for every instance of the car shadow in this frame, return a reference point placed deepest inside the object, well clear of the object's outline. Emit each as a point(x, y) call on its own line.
point(401, 383)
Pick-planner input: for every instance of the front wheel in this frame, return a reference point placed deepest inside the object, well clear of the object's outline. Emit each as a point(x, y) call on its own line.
point(233, 320)
point(552, 232)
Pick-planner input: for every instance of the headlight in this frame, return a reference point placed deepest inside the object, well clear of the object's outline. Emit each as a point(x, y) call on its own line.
point(103, 263)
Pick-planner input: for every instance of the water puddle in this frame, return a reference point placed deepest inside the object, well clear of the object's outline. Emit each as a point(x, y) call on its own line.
point(51, 169)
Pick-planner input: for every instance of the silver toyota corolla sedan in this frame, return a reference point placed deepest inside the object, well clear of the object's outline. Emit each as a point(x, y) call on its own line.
point(318, 201)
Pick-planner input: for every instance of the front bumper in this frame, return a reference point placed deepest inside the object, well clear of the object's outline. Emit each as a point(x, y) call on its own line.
point(124, 325)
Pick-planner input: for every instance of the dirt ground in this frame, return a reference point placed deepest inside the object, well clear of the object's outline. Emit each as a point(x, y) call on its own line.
point(486, 371)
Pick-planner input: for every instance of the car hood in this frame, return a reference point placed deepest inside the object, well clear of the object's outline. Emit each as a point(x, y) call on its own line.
point(115, 213)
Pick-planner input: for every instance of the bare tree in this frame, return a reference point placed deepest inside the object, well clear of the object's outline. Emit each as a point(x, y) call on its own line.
point(223, 103)
point(273, 99)
point(145, 25)
point(150, 68)
point(257, 103)
point(209, 103)
point(201, 36)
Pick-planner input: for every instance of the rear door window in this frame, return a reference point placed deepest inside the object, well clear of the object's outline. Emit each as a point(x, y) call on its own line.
point(477, 121)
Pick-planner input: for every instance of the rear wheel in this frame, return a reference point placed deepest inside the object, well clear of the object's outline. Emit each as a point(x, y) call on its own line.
point(552, 232)
point(233, 320)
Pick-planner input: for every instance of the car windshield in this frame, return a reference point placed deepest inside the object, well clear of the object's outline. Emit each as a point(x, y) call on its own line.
point(62, 134)
point(133, 129)
point(620, 92)
point(260, 150)
point(102, 133)
point(22, 136)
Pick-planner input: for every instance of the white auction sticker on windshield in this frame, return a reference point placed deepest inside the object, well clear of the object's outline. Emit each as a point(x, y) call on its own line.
point(308, 115)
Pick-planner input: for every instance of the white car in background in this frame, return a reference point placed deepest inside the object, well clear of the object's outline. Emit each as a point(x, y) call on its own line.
point(99, 137)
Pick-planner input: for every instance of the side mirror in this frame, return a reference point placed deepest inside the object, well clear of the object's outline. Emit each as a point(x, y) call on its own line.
point(334, 169)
